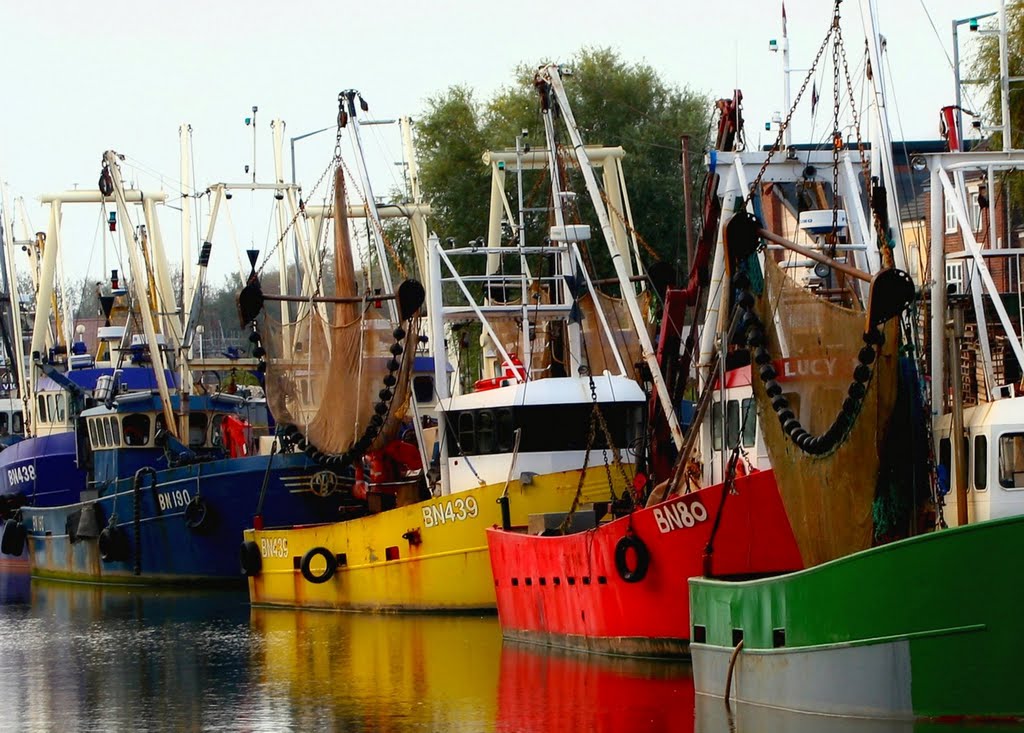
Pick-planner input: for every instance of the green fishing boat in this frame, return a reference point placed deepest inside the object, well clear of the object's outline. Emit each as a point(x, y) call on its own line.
point(905, 612)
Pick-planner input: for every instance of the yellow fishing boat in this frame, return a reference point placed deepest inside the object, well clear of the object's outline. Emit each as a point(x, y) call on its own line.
point(555, 431)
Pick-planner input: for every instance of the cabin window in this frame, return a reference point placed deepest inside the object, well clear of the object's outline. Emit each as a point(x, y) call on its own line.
point(41, 403)
point(216, 438)
point(108, 433)
point(61, 416)
point(716, 425)
point(1011, 460)
point(423, 388)
point(505, 430)
point(485, 432)
point(51, 409)
point(749, 422)
point(93, 438)
point(136, 429)
point(4, 426)
point(467, 436)
point(980, 462)
point(196, 429)
point(17, 422)
point(115, 431)
point(732, 424)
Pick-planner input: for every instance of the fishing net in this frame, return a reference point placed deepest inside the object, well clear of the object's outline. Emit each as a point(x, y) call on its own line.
point(599, 352)
point(814, 345)
point(327, 369)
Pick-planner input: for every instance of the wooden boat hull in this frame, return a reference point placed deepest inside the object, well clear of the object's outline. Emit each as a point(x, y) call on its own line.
point(568, 591)
point(426, 556)
point(926, 627)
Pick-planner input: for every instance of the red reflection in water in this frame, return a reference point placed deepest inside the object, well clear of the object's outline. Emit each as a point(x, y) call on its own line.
point(542, 690)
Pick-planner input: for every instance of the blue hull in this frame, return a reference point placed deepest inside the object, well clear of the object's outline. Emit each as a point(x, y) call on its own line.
point(160, 546)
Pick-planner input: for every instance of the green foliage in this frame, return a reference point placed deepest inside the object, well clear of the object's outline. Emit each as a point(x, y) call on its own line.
point(615, 102)
point(985, 67)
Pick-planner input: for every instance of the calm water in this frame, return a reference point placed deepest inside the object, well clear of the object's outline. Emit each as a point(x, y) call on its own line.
point(87, 658)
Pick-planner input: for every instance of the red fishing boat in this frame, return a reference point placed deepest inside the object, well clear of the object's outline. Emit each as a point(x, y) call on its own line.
point(621, 587)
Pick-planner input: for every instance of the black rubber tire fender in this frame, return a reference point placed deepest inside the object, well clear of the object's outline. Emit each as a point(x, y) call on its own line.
point(198, 514)
point(329, 558)
point(643, 558)
point(113, 544)
point(13, 541)
point(250, 559)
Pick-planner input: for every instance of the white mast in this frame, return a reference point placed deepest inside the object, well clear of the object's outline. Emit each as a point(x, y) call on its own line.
point(881, 153)
point(371, 202)
point(13, 292)
point(552, 74)
point(139, 281)
point(185, 137)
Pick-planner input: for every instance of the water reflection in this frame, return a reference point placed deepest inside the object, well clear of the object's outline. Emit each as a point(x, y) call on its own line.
point(92, 658)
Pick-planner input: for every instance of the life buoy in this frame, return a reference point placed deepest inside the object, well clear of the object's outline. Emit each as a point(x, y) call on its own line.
point(250, 559)
point(198, 514)
point(113, 544)
point(13, 541)
point(331, 564)
point(641, 553)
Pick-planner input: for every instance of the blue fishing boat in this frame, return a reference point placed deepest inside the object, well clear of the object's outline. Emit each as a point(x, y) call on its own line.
point(153, 509)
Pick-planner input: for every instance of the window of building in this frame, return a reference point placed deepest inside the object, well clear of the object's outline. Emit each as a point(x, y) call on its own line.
point(980, 462)
point(136, 429)
point(1011, 460)
point(951, 224)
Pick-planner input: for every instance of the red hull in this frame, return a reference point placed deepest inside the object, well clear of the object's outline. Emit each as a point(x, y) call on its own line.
point(566, 590)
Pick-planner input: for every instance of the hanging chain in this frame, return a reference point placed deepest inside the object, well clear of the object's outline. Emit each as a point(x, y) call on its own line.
point(837, 135)
point(301, 210)
point(629, 227)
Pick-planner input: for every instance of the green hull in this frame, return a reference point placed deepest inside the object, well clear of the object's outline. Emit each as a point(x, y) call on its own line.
point(925, 627)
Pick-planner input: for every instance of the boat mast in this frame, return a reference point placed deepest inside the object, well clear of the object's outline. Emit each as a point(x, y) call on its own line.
point(552, 74)
point(348, 98)
point(11, 275)
point(139, 280)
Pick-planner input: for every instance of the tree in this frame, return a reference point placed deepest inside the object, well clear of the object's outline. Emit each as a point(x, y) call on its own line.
point(615, 103)
point(986, 67)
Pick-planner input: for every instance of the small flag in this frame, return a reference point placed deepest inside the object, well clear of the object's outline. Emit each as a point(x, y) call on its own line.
point(814, 97)
point(784, 19)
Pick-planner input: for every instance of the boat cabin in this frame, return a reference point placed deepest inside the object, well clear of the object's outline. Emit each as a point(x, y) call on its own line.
point(993, 450)
point(552, 417)
point(120, 439)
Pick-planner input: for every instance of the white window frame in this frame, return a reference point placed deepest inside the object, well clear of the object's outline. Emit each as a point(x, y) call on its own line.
point(951, 222)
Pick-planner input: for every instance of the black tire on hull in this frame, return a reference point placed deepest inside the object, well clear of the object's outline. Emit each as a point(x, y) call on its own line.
point(249, 558)
point(13, 541)
point(331, 565)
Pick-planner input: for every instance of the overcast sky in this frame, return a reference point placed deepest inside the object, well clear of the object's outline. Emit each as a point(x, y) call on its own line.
point(82, 77)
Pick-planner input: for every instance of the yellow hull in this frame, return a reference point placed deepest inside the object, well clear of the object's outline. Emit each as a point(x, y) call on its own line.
point(428, 556)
